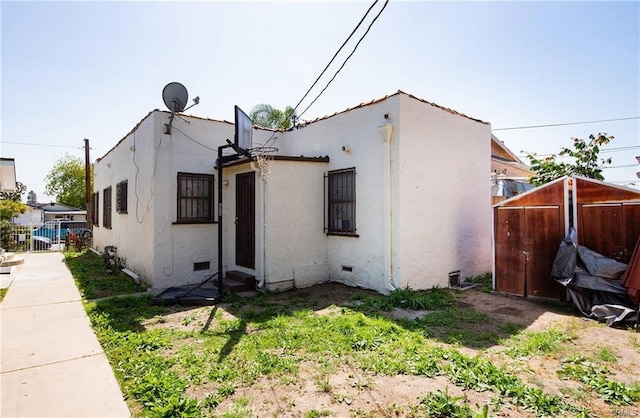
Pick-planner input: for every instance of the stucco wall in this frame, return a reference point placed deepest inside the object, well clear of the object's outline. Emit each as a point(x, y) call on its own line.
point(355, 261)
point(191, 148)
point(132, 160)
point(296, 250)
point(162, 252)
point(443, 197)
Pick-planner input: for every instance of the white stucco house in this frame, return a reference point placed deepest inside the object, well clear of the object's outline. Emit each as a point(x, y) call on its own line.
point(384, 195)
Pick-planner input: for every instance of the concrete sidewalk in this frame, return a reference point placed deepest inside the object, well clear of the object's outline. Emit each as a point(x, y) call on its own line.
point(51, 362)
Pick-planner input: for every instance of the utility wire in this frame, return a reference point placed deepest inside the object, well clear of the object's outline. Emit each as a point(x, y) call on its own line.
point(347, 59)
point(288, 115)
point(199, 143)
point(618, 166)
point(42, 145)
point(333, 58)
point(565, 124)
point(49, 145)
point(620, 149)
point(602, 151)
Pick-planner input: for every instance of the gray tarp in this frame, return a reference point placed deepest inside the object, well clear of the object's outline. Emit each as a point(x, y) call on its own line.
point(593, 282)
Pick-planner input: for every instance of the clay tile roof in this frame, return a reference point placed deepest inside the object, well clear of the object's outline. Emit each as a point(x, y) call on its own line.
point(446, 109)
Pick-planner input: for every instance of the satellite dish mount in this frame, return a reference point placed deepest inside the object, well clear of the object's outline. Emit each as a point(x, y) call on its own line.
point(175, 97)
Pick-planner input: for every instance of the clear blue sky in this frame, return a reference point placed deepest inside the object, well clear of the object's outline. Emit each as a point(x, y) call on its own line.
point(75, 70)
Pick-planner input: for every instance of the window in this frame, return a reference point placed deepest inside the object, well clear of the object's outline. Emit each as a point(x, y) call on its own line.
point(96, 208)
point(121, 197)
point(106, 208)
point(195, 198)
point(342, 202)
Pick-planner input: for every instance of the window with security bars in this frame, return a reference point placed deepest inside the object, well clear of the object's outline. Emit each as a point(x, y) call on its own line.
point(121, 197)
point(106, 208)
point(96, 207)
point(195, 198)
point(342, 201)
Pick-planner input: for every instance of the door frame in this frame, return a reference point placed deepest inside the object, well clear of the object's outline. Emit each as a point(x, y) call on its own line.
point(245, 220)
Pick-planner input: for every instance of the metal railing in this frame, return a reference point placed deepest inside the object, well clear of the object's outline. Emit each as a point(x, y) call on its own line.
point(18, 238)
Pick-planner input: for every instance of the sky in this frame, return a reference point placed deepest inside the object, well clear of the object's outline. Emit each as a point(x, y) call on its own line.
point(75, 70)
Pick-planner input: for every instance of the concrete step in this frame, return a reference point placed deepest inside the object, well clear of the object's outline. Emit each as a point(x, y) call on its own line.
point(11, 260)
point(237, 281)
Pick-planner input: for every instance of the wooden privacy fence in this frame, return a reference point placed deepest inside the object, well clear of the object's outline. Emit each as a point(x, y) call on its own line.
point(529, 228)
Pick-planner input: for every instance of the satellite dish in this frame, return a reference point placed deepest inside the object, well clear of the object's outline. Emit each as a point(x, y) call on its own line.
point(175, 96)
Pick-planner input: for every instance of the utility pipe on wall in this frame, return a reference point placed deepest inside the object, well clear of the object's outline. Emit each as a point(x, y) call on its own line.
point(386, 132)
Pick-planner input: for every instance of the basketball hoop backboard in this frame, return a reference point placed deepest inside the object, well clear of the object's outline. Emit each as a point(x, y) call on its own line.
point(244, 130)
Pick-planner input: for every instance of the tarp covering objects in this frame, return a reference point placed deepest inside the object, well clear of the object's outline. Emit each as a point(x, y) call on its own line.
point(631, 277)
point(593, 282)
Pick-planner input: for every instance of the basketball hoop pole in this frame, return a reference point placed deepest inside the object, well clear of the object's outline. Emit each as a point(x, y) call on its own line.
point(220, 164)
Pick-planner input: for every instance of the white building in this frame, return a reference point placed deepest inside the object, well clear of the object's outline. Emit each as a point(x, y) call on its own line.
point(385, 195)
point(38, 213)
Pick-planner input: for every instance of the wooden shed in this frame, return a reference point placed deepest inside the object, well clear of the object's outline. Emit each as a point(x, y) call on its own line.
point(528, 229)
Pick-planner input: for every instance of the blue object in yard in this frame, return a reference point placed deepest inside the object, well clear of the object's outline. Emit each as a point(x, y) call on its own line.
point(52, 228)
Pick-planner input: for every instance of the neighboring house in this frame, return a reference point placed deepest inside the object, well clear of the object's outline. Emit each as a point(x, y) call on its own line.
point(389, 194)
point(43, 212)
point(509, 175)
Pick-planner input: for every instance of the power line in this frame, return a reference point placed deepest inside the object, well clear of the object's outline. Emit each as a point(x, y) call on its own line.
point(565, 124)
point(619, 166)
point(42, 145)
point(618, 149)
point(334, 56)
point(268, 141)
point(347, 59)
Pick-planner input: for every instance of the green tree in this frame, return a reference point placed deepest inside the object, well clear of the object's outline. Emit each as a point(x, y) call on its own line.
point(268, 116)
point(32, 198)
point(66, 181)
point(584, 161)
point(16, 194)
point(10, 208)
point(11, 204)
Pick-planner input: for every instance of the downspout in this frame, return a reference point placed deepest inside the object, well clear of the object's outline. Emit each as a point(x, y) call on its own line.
point(262, 282)
point(260, 286)
point(386, 132)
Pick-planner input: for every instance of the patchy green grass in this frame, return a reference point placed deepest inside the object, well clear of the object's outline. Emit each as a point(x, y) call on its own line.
point(94, 280)
point(317, 414)
point(215, 361)
point(441, 404)
point(437, 298)
point(599, 379)
point(3, 292)
point(528, 344)
point(608, 355)
point(484, 282)
point(271, 340)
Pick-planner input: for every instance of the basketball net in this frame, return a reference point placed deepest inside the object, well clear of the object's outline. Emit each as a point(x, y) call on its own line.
point(264, 157)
